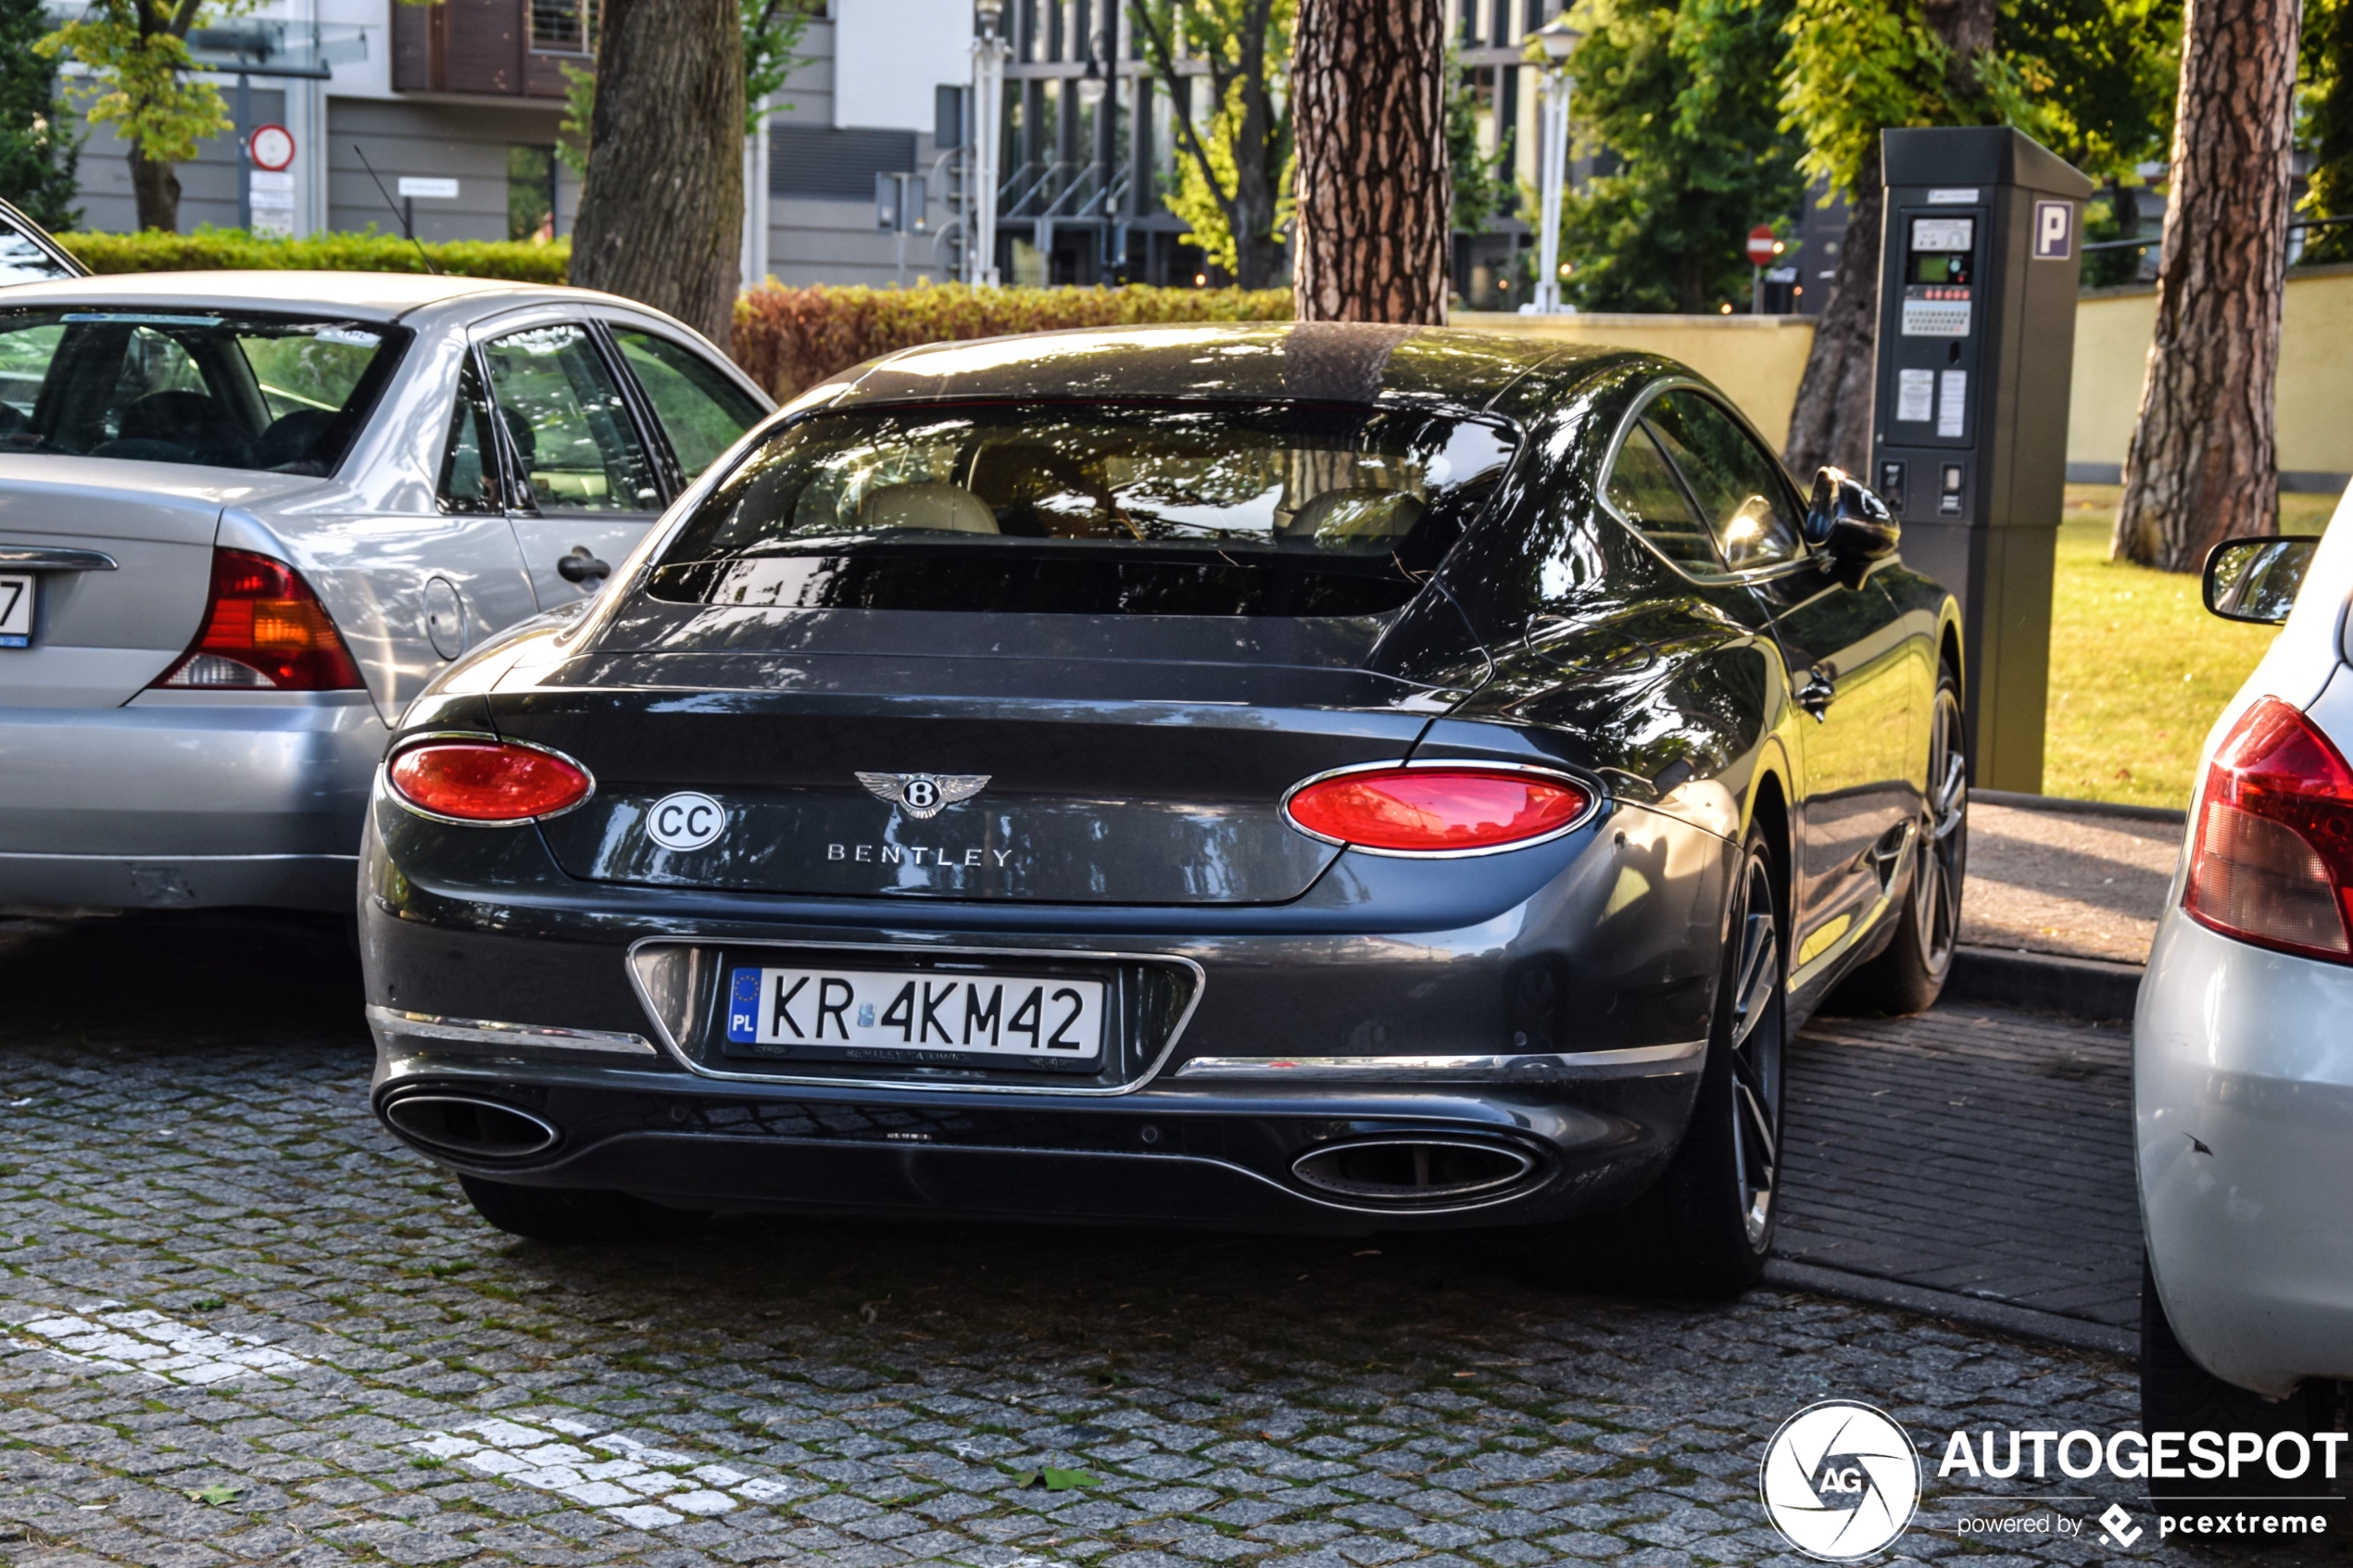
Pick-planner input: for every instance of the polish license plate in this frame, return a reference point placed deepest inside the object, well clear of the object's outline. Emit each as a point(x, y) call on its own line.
point(1019, 1020)
point(16, 610)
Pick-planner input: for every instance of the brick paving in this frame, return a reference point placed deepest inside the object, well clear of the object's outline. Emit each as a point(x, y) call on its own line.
point(242, 1325)
point(1973, 1150)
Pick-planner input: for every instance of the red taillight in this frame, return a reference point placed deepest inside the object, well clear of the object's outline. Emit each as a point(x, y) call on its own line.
point(488, 781)
point(2272, 860)
point(264, 631)
point(1437, 810)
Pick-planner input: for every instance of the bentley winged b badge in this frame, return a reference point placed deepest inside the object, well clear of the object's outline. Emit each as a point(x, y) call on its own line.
point(924, 796)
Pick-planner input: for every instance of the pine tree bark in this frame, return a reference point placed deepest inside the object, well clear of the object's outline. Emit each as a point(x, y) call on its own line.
point(662, 209)
point(1374, 192)
point(2203, 463)
point(1831, 420)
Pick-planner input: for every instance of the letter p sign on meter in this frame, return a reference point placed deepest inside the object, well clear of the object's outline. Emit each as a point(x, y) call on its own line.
point(2054, 230)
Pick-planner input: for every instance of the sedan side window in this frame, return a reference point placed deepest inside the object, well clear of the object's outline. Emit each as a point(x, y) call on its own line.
point(470, 468)
point(566, 423)
point(701, 408)
point(1738, 486)
point(1644, 488)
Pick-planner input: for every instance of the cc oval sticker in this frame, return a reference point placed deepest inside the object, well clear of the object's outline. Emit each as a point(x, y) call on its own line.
point(686, 821)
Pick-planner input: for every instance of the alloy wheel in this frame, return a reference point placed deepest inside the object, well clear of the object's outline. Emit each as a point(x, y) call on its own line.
point(1756, 1052)
point(1936, 886)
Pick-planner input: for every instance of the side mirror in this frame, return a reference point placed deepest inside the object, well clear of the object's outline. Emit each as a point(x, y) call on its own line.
point(1848, 522)
point(2256, 579)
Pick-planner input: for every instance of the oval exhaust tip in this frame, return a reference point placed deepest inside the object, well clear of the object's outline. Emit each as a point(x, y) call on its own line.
point(483, 1129)
point(1414, 1171)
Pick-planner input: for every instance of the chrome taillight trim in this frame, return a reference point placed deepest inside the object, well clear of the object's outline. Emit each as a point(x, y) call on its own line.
point(477, 737)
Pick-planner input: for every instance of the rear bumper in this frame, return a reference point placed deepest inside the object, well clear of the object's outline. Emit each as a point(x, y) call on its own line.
point(1392, 983)
point(2243, 1105)
point(181, 800)
point(1172, 1153)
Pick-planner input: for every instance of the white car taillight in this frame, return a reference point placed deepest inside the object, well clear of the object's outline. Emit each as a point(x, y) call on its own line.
point(2272, 859)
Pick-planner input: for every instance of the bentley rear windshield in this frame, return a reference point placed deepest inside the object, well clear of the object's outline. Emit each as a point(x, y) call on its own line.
point(171, 385)
point(1090, 508)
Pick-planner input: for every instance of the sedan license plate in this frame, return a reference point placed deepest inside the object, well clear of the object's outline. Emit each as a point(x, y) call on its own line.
point(15, 611)
point(1019, 1020)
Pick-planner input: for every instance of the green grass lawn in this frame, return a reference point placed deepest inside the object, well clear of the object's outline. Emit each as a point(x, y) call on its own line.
point(2138, 669)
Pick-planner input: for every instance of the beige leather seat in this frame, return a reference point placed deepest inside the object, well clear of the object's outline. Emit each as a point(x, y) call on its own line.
point(927, 507)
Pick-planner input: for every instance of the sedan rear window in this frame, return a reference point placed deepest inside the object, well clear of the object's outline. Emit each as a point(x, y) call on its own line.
point(1090, 508)
point(284, 394)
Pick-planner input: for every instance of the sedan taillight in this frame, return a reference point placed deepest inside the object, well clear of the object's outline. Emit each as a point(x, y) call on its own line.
point(491, 784)
point(2272, 859)
point(264, 629)
point(1436, 810)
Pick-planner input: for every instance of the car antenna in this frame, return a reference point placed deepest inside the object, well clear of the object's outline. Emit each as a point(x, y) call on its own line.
point(405, 226)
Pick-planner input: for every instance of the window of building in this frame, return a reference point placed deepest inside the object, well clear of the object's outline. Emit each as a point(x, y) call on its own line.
point(563, 27)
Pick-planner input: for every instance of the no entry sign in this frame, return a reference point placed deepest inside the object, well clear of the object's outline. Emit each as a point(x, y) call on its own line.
point(1760, 244)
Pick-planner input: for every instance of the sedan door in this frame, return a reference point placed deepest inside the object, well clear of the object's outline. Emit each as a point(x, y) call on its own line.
point(583, 481)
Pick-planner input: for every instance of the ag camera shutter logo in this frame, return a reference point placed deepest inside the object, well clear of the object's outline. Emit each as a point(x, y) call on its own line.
point(686, 821)
point(1839, 1481)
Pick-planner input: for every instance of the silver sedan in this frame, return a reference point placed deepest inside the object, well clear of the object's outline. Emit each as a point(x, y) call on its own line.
point(2243, 1063)
point(246, 516)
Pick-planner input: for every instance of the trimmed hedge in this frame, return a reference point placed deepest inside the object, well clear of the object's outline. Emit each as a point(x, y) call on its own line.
point(233, 249)
point(787, 339)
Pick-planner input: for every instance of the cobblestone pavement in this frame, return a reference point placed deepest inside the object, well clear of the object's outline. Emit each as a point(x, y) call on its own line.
point(1975, 1150)
point(242, 1325)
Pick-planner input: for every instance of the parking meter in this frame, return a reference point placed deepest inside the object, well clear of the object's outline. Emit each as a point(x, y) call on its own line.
point(1979, 257)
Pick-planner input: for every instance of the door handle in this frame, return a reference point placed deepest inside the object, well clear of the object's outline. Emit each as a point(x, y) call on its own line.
point(582, 566)
point(1817, 692)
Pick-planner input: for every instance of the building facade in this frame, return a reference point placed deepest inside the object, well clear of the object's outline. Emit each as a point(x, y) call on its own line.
point(443, 120)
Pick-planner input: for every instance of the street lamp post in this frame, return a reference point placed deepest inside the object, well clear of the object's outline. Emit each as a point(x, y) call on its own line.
point(1559, 40)
point(989, 53)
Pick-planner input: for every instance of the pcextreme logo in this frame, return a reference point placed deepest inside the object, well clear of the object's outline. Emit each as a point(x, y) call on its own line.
point(1841, 1480)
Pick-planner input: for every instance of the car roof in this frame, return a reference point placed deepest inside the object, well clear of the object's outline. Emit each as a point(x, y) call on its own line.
point(382, 296)
point(1322, 361)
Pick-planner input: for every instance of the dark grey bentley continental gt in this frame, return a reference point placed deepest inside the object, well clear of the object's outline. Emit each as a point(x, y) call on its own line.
point(1313, 778)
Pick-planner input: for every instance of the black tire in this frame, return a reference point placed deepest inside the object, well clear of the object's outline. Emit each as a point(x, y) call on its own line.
point(574, 1218)
point(1703, 1229)
point(2178, 1395)
point(1908, 975)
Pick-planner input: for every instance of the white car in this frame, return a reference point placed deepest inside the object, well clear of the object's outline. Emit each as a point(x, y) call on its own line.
point(2242, 1040)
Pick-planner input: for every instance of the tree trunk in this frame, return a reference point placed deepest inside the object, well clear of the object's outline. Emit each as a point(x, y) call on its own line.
point(662, 210)
point(1831, 420)
point(1375, 197)
point(156, 190)
point(2203, 465)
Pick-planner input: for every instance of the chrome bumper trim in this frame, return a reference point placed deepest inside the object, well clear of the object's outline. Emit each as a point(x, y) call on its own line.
point(1551, 1067)
point(489, 1032)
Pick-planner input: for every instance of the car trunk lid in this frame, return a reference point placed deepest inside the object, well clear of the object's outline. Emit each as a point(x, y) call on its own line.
point(1138, 762)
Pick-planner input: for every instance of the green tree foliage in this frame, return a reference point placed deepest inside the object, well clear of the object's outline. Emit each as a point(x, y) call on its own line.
point(139, 81)
point(1233, 174)
point(37, 160)
point(1685, 93)
point(2097, 81)
point(2326, 108)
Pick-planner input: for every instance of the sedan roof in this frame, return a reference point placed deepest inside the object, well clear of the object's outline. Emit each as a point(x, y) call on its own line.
point(1321, 362)
point(380, 296)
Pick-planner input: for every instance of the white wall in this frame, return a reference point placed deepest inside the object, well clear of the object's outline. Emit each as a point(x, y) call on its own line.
point(889, 55)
